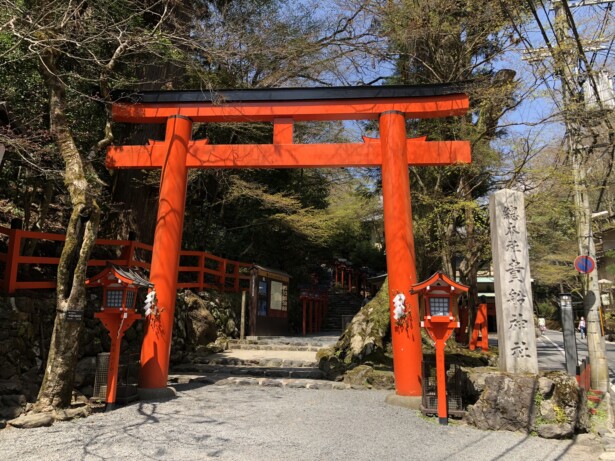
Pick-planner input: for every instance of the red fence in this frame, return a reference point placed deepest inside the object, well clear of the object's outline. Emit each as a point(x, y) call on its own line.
point(197, 269)
point(583, 378)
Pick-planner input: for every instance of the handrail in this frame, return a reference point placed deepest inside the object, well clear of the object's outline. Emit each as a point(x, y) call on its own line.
point(206, 276)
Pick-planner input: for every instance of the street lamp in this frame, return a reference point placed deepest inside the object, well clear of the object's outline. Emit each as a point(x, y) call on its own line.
point(570, 340)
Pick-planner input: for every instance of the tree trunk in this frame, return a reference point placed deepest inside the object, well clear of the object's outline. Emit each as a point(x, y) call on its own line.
point(57, 386)
point(564, 62)
point(596, 345)
point(43, 208)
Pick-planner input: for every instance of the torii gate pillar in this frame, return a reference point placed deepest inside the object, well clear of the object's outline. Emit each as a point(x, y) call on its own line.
point(407, 348)
point(156, 348)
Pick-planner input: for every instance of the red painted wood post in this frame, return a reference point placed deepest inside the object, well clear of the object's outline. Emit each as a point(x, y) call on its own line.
point(407, 351)
point(343, 274)
point(156, 346)
point(114, 360)
point(441, 383)
point(311, 315)
point(304, 319)
point(223, 276)
point(236, 277)
point(201, 280)
point(336, 275)
point(12, 261)
point(128, 252)
point(480, 326)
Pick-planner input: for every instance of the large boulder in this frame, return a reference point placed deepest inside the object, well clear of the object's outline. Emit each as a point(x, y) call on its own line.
point(200, 325)
point(365, 377)
point(549, 405)
point(226, 310)
point(506, 403)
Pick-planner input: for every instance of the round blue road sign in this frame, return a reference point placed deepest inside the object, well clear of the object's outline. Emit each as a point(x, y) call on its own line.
point(584, 264)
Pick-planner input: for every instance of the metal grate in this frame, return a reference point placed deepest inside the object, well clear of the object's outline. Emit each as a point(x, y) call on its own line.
point(439, 306)
point(114, 298)
point(127, 379)
point(429, 405)
point(100, 379)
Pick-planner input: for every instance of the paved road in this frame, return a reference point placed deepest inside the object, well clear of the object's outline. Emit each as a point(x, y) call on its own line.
point(551, 352)
point(254, 423)
point(249, 423)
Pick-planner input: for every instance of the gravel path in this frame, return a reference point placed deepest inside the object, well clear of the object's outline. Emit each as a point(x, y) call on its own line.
point(254, 423)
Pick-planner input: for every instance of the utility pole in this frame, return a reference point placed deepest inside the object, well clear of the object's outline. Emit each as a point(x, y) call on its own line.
point(566, 56)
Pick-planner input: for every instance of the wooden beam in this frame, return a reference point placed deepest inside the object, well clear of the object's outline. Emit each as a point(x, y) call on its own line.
point(201, 154)
point(267, 111)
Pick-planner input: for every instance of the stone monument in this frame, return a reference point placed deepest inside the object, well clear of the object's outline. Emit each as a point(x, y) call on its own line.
point(513, 291)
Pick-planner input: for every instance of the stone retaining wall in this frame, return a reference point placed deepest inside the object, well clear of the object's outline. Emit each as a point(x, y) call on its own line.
point(26, 323)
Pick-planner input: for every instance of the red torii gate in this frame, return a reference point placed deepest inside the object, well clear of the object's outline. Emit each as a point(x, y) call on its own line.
point(391, 105)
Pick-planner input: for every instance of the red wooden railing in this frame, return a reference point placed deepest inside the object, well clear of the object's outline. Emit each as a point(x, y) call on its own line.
point(583, 378)
point(315, 304)
point(197, 269)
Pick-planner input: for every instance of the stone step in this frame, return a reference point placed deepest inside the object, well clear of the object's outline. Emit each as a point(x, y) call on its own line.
point(257, 362)
point(338, 315)
point(274, 347)
point(298, 340)
point(226, 380)
point(343, 311)
point(251, 371)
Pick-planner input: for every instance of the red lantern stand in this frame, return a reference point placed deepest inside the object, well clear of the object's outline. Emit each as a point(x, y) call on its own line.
point(439, 295)
point(117, 314)
point(480, 325)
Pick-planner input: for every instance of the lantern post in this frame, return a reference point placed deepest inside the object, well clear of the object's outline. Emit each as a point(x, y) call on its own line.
point(117, 314)
point(440, 319)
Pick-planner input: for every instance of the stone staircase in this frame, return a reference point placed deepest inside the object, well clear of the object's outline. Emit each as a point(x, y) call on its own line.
point(264, 361)
point(341, 303)
point(275, 361)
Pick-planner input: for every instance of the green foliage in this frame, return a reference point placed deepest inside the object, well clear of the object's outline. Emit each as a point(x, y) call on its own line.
point(546, 309)
point(552, 233)
point(441, 42)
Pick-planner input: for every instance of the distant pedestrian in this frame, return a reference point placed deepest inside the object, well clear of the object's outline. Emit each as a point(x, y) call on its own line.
point(366, 299)
point(542, 326)
point(583, 328)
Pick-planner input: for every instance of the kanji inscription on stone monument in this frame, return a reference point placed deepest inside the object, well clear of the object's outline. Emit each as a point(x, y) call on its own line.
point(513, 291)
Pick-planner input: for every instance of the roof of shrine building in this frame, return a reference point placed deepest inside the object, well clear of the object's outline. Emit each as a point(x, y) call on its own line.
point(291, 94)
point(127, 276)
